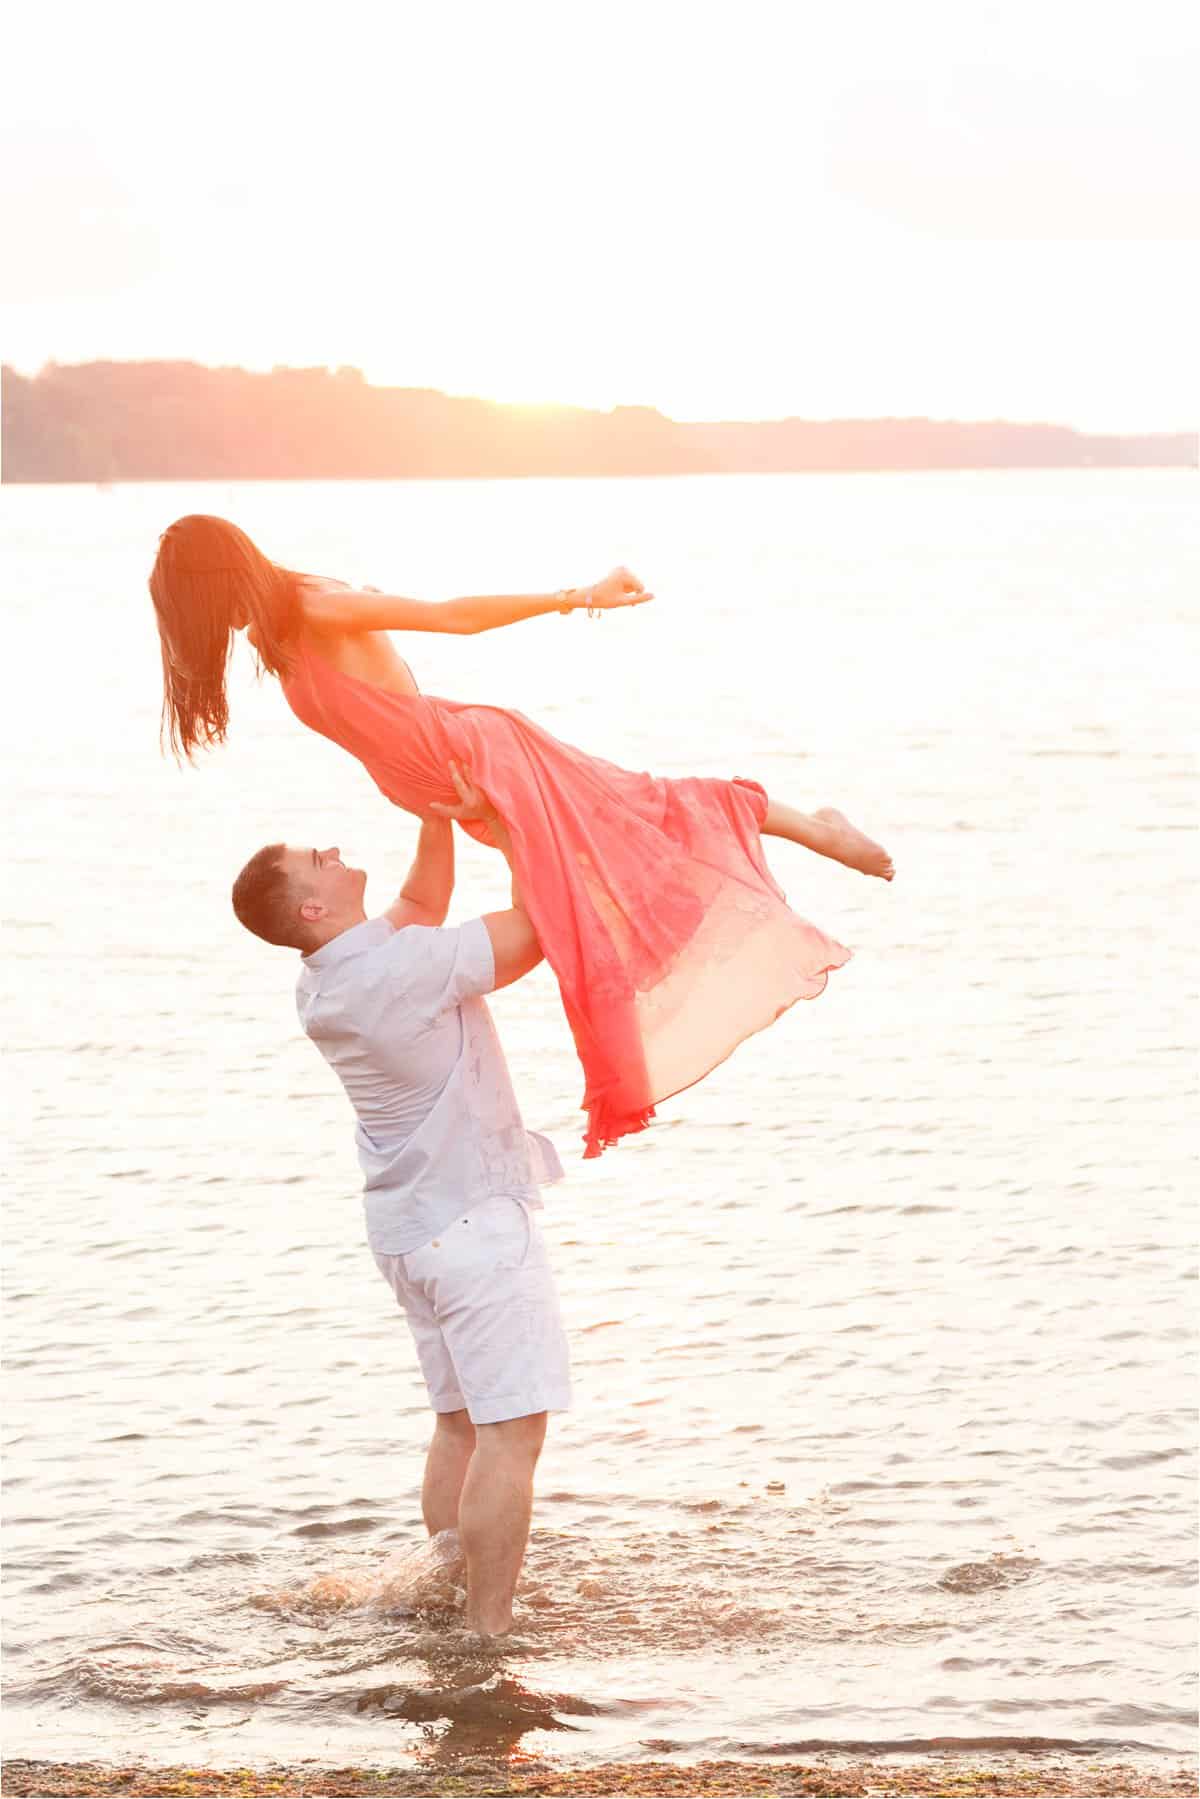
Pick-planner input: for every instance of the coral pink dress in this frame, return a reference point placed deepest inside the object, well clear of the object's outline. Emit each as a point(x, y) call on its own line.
point(651, 898)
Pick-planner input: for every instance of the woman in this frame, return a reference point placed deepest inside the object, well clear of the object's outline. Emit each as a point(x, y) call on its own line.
point(654, 905)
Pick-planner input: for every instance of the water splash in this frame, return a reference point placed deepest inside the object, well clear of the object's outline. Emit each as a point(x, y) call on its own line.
point(426, 1580)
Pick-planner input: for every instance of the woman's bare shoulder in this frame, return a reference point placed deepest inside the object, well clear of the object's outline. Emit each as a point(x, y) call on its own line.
point(310, 587)
point(322, 601)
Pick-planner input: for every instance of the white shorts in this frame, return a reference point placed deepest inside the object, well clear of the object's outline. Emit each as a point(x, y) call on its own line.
point(483, 1309)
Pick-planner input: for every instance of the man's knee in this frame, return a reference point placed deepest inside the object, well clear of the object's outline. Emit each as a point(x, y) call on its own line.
point(455, 1427)
point(520, 1439)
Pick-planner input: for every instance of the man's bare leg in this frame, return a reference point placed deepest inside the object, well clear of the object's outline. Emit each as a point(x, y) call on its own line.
point(445, 1470)
point(493, 1517)
point(829, 833)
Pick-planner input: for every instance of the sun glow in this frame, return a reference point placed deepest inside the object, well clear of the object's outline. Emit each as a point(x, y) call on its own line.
point(724, 222)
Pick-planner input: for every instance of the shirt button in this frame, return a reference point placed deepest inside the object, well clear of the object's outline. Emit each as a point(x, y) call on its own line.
point(437, 1243)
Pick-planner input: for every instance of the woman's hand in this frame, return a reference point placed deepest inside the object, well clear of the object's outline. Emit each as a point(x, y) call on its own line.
point(473, 804)
point(620, 588)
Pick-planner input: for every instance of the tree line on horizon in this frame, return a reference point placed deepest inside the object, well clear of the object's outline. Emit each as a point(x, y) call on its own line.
point(160, 421)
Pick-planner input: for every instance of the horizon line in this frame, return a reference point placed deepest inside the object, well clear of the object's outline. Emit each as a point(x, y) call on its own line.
point(351, 370)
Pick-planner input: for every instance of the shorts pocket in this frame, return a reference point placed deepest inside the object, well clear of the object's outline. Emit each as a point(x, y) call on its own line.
point(510, 1231)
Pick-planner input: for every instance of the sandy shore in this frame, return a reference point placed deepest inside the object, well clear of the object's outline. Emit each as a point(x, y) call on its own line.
point(932, 1779)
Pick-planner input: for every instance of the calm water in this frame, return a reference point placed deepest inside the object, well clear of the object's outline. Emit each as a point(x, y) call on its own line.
point(882, 1336)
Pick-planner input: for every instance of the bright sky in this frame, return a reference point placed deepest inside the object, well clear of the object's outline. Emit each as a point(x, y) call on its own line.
point(967, 208)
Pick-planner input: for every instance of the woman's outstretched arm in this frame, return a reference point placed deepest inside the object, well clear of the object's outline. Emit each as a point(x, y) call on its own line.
point(349, 609)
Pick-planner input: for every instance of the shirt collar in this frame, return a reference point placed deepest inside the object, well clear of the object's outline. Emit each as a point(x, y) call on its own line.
point(354, 942)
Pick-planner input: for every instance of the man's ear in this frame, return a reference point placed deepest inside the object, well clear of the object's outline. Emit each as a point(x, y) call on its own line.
point(312, 911)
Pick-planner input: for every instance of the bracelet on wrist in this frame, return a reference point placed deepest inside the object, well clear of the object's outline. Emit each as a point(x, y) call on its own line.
point(571, 599)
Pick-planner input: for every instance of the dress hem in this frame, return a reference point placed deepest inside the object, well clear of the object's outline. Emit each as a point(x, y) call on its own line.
point(605, 1131)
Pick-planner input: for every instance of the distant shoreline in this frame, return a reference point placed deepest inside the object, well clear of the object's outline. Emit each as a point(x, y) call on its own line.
point(110, 423)
point(1022, 468)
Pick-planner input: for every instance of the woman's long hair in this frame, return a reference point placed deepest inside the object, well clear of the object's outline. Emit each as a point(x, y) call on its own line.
point(209, 580)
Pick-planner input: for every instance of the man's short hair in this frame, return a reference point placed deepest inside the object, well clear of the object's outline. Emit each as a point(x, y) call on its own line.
point(264, 899)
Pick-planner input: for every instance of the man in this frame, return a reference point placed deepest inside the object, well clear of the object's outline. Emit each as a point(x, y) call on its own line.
point(395, 1004)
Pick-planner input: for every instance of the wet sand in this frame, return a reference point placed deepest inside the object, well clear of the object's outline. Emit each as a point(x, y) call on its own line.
point(950, 1776)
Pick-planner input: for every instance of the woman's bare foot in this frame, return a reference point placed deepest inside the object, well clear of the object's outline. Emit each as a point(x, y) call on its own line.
point(853, 847)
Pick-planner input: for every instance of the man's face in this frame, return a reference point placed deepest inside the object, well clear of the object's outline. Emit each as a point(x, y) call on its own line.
point(323, 886)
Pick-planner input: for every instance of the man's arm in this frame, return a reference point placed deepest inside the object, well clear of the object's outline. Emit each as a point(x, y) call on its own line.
point(515, 948)
point(424, 897)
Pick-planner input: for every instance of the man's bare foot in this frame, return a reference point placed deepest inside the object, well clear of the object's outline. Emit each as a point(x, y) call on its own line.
point(853, 847)
point(487, 1630)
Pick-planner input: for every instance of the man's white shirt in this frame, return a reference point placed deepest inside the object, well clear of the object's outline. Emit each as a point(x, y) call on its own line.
point(400, 1016)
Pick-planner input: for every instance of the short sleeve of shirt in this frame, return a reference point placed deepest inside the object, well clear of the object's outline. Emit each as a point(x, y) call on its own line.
point(437, 969)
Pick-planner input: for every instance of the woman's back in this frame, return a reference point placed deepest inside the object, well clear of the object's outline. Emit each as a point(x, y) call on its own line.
point(364, 655)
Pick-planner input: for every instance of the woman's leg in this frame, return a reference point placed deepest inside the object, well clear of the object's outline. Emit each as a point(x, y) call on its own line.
point(829, 833)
